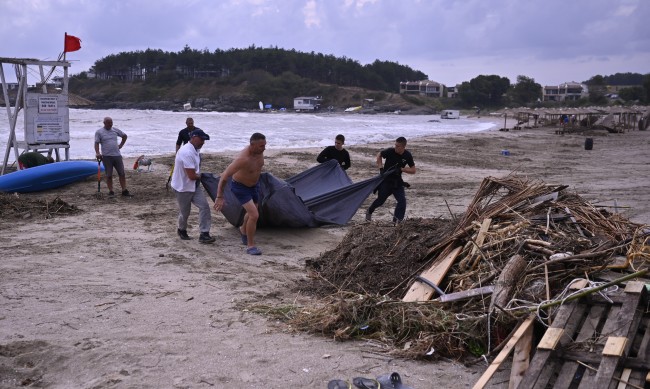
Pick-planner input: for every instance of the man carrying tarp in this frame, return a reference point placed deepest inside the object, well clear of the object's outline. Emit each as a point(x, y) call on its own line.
point(185, 182)
point(245, 171)
point(336, 152)
point(398, 161)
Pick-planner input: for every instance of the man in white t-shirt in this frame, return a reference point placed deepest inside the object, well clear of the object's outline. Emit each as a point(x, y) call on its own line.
point(186, 179)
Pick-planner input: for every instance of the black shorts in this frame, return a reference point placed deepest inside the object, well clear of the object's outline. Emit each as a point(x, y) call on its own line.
point(111, 162)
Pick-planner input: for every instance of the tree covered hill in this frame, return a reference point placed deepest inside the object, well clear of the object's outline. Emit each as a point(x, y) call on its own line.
point(238, 78)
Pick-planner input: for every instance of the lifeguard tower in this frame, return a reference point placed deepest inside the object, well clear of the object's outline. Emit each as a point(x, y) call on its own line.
point(45, 105)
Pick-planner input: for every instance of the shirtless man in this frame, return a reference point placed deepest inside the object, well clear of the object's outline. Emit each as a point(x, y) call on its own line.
point(245, 171)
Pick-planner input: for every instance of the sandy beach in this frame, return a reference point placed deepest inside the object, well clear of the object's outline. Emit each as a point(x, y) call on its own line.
point(107, 296)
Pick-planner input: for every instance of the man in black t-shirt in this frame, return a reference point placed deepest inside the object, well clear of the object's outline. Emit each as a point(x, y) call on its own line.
point(184, 134)
point(398, 161)
point(336, 152)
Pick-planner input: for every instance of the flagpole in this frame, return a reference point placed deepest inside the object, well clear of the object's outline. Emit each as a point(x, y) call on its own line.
point(65, 39)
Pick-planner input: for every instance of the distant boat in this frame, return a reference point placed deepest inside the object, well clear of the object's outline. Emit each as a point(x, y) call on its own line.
point(50, 176)
point(187, 106)
point(353, 109)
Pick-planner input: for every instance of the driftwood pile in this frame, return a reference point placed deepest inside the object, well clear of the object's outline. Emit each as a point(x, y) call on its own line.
point(523, 241)
point(14, 206)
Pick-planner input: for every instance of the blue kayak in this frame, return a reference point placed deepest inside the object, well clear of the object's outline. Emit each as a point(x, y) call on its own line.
point(50, 176)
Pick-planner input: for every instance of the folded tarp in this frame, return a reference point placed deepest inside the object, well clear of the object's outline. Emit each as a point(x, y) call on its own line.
point(318, 196)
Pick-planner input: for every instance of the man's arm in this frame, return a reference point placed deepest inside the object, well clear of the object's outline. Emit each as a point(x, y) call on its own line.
point(322, 157)
point(219, 201)
point(192, 174)
point(409, 169)
point(346, 161)
point(230, 170)
point(379, 161)
point(97, 154)
point(179, 140)
point(123, 141)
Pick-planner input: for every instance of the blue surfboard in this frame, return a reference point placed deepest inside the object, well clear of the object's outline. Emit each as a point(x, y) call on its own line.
point(50, 176)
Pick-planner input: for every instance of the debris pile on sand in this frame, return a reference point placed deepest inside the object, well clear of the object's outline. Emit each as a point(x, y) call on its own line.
point(525, 241)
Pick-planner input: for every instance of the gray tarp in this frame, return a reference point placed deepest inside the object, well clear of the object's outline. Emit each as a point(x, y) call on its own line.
point(318, 196)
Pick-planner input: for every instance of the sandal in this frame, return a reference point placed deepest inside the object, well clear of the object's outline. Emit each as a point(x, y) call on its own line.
point(392, 381)
point(366, 383)
point(338, 384)
point(253, 251)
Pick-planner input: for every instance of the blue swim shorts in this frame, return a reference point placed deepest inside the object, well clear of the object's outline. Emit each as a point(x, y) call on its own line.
point(244, 193)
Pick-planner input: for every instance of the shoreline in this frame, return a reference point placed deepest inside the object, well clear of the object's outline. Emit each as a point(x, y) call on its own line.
point(149, 133)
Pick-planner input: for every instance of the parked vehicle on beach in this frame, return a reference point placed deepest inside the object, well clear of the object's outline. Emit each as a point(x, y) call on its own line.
point(450, 114)
point(307, 103)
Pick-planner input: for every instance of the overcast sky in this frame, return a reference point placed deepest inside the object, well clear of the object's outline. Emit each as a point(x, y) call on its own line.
point(551, 41)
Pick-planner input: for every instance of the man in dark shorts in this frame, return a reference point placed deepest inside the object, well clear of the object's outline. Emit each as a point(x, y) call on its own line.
point(244, 193)
point(110, 154)
point(398, 161)
point(245, 171)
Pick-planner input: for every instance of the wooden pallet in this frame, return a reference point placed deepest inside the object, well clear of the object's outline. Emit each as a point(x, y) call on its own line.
point(592, 343)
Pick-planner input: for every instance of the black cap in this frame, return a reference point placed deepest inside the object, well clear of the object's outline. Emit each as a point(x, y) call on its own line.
point(200, 134)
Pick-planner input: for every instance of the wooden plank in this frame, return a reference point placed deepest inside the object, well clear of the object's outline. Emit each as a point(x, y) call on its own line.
point(420, 291)
point(590, 326)
point(643, 346)
point(622, 327)
point(567, 374)
point(536, 371)
point(480, 238)
point(551, 338)
point(521, 358)
point(634, 287)
point(507, 349)
point(615, 345)
point(594, 359)
point(612, 384)
point(625, 377)
point(610, 324)
point(638, 378)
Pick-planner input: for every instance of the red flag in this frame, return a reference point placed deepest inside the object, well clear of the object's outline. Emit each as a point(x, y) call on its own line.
point(72, 43)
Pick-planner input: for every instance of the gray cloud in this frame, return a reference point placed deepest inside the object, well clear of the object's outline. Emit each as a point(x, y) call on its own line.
point(551, 41)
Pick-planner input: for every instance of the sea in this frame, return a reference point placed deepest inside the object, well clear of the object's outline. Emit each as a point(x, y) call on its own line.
point(154, 132)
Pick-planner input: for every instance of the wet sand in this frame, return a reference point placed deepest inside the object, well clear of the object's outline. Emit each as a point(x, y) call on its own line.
point(110, 297)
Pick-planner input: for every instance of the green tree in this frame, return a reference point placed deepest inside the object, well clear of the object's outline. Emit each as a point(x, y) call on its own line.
point(525, 91)
point(635, 93)
point(624, 79)
point(646, 87)
point(597, 90)
point(484, 91)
